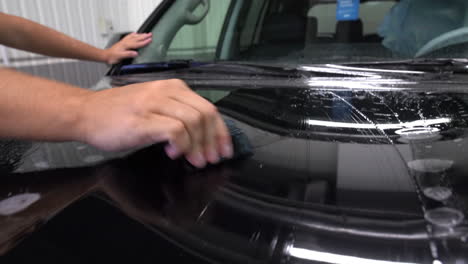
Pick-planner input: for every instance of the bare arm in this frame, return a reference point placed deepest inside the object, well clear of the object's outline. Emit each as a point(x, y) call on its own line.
point(115, 119)
point(38, 109)
point(27, 35)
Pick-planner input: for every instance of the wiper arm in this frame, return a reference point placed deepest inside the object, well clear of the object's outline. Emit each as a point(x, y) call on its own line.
point(233, 67)
point(157, 66)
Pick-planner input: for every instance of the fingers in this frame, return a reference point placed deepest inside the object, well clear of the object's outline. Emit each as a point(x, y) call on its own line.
point(210, 145)
point(144, 36)
point(216, 140)
point(180, 142)
point(129, 54)
point(133, 44)
point(191, 119)
point(193, 123)
point(136, 41)
point(162, 128)
point(211, 124)
point(141, 44)
point(178, 138)
point(125, 48)
point(225, 146)
point(209, 136)
point(138, 36)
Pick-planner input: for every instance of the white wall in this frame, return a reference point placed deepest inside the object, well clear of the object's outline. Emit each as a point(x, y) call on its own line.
point(139, 10)
point(82, 19)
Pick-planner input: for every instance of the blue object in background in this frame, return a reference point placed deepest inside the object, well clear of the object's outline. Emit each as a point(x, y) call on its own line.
point(347, 10)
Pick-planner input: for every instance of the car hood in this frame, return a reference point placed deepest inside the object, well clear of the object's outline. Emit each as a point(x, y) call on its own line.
point(352, 162)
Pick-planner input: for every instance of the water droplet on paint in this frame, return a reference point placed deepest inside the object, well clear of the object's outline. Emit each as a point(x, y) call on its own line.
point(430, 165)
point(438, 193)
point(418, 133)
point(444, 217)
point(17, 203)
point(93, 158)
point(42, 165)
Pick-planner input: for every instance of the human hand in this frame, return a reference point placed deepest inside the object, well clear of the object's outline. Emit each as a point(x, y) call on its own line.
point(125, 48)
point(160, 111)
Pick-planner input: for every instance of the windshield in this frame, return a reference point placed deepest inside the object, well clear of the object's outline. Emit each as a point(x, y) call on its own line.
point(309, 31)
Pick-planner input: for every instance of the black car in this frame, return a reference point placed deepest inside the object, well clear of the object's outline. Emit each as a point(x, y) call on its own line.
point(350, 119)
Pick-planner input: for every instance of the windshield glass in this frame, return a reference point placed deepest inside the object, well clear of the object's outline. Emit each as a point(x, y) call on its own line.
point(309, 31)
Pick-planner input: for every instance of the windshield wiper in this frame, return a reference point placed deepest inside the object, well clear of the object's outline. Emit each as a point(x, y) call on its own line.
point(233, 67)
point(156, 67)
point(425, 65)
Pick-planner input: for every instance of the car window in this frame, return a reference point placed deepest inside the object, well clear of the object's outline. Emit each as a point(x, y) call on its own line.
point(309, 31)
point(199, 41)
point(371, 14)
point(252, 20)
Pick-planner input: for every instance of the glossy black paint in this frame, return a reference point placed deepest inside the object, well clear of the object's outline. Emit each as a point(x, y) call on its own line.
point(349, 160)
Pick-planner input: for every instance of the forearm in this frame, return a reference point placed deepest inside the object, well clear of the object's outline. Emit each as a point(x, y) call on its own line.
point(26, 35)
point(38, 109)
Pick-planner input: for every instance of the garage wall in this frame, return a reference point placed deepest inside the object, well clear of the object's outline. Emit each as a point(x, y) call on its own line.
point(92, 21)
